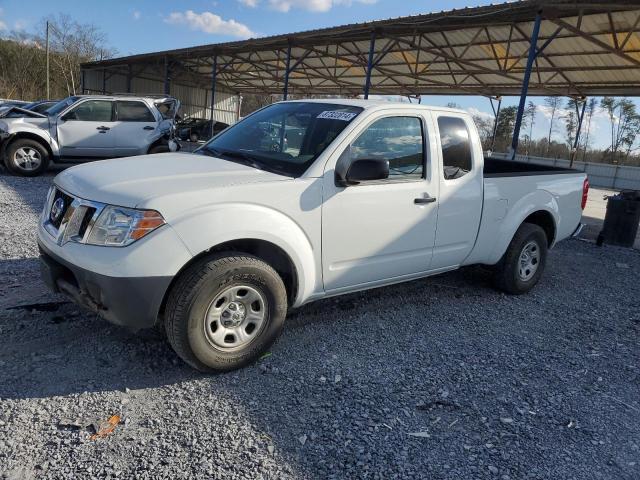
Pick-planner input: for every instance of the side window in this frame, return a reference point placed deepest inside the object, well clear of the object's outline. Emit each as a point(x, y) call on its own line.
point(399, 140)
point(134, 112)
point(456, 147)
point(91, 111)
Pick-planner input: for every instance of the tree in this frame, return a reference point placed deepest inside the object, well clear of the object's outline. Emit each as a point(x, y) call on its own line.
point(553, 103)
point(571, 121)
point(23, 59)
point(74, 43)
point(529, 119)
point(504, 129)
point(591, 107)
point(485, 129)
point(624, 124)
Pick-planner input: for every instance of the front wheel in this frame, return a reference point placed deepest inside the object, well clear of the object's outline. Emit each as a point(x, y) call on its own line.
point(523, 263)
point(225, 311)
point(26, 157)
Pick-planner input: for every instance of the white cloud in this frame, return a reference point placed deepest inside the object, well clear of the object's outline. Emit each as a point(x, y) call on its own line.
point(479, 113)
point(137, 15)
point(249, 3)
point(210, 23)
point(3, 26)
point(312, 5)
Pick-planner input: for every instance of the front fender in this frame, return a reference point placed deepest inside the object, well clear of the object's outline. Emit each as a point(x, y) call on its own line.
point(515, 216)
point(205, 228)
point(35, 132)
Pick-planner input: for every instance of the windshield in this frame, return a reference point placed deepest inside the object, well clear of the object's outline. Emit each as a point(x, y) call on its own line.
point(284, 138)
point(61, 105)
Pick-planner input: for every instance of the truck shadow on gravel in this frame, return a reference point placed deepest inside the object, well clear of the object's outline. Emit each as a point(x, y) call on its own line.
point(53, 347)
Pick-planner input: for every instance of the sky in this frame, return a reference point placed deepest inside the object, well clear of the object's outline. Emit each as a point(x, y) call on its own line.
point(138, 26)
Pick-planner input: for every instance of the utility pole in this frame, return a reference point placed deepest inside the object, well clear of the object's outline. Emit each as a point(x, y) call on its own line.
point(47, 54)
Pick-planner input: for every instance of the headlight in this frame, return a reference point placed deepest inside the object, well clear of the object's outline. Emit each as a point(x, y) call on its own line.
point(119, 226)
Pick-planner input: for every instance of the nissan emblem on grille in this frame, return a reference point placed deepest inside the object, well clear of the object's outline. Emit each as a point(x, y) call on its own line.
point(56, 210)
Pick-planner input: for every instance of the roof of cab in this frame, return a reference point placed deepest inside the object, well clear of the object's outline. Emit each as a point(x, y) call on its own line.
point(375, 104)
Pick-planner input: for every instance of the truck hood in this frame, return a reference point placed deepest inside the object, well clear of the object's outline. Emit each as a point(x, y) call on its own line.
point(130, 181)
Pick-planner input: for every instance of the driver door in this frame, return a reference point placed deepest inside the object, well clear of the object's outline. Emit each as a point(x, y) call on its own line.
point(86, 130)
point(382, 230)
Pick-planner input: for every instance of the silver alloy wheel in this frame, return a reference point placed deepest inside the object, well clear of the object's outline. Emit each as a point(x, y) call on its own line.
point(235, 317)
point(27, 158)
point(529, 261)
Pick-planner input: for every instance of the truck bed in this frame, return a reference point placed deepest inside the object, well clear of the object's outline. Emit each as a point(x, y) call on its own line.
point(497, 167)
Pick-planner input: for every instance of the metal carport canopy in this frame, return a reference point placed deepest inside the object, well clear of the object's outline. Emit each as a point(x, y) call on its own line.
point(583, 48)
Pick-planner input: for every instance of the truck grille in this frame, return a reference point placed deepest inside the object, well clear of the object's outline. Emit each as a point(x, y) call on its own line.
point(68, 218)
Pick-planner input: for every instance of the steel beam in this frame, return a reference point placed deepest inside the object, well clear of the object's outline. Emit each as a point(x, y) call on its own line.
point(166, 75)
point(83, 82)
point(533, 46)
point(287, 70)
point(496, 113)
point(574, 150)
point(372, 47)
point(129, 77)
point(214, 79)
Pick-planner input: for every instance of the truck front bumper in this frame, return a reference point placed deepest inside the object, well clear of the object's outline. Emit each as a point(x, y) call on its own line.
point(124, 285)
point(133, 302)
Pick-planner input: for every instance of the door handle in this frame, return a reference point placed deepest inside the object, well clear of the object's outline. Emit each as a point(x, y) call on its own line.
point(148, 127)
point(423, 200)
point(103, 128)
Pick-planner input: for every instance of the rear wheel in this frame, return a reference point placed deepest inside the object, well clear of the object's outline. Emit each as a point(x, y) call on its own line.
point(225, 311)
point(523, 263)
point(26, 157)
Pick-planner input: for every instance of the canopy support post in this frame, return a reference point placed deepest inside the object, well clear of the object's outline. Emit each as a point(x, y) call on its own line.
point(496, 113)
point(166, 75)
point(285, 93)
point(533, 50)
point(214, 80)
point(129, 77)
point(574, 150)
point(372, 47)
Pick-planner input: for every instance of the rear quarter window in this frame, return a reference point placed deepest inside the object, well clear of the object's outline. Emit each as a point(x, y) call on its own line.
point(132, 111)
point(456, 147)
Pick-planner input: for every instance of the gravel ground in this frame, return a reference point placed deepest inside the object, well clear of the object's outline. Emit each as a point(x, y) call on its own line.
point(438, 378)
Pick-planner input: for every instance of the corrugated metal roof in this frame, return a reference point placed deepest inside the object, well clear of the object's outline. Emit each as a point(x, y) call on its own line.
point(595, 50)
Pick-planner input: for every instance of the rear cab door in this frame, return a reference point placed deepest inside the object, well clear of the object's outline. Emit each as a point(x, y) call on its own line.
point(461, 187)
point(383, 230)
point(85, 130)
point(135, 128)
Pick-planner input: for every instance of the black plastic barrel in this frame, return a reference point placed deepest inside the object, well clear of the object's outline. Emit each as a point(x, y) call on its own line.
point(622, 219)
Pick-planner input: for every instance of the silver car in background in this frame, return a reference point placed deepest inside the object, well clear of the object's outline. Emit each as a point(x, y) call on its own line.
point(88, 127)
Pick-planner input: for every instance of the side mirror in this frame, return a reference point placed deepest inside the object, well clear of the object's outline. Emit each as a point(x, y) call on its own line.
point(365, 170)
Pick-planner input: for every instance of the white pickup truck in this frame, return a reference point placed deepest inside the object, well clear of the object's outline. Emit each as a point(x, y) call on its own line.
point(299, 201)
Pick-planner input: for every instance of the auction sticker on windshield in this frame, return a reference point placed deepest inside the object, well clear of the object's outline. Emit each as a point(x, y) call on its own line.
point(337, 115)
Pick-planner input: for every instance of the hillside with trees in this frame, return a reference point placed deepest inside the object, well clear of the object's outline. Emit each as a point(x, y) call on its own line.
point(23, 58)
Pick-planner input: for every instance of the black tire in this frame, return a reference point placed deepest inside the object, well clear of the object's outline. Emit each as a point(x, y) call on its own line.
point(13, 164)
point(508, 275)
point(159, 149)
point(190, 300)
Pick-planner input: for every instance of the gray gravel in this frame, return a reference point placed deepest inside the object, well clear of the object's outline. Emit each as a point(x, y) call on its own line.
point(438, 378)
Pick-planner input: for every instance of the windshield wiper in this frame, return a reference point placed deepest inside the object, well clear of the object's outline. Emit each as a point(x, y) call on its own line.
point(245, 158)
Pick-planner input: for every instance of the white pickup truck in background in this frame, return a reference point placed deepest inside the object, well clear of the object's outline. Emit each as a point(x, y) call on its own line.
point(299, 201)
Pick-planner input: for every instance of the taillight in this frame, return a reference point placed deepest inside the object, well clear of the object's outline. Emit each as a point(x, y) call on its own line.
point(585, 193)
